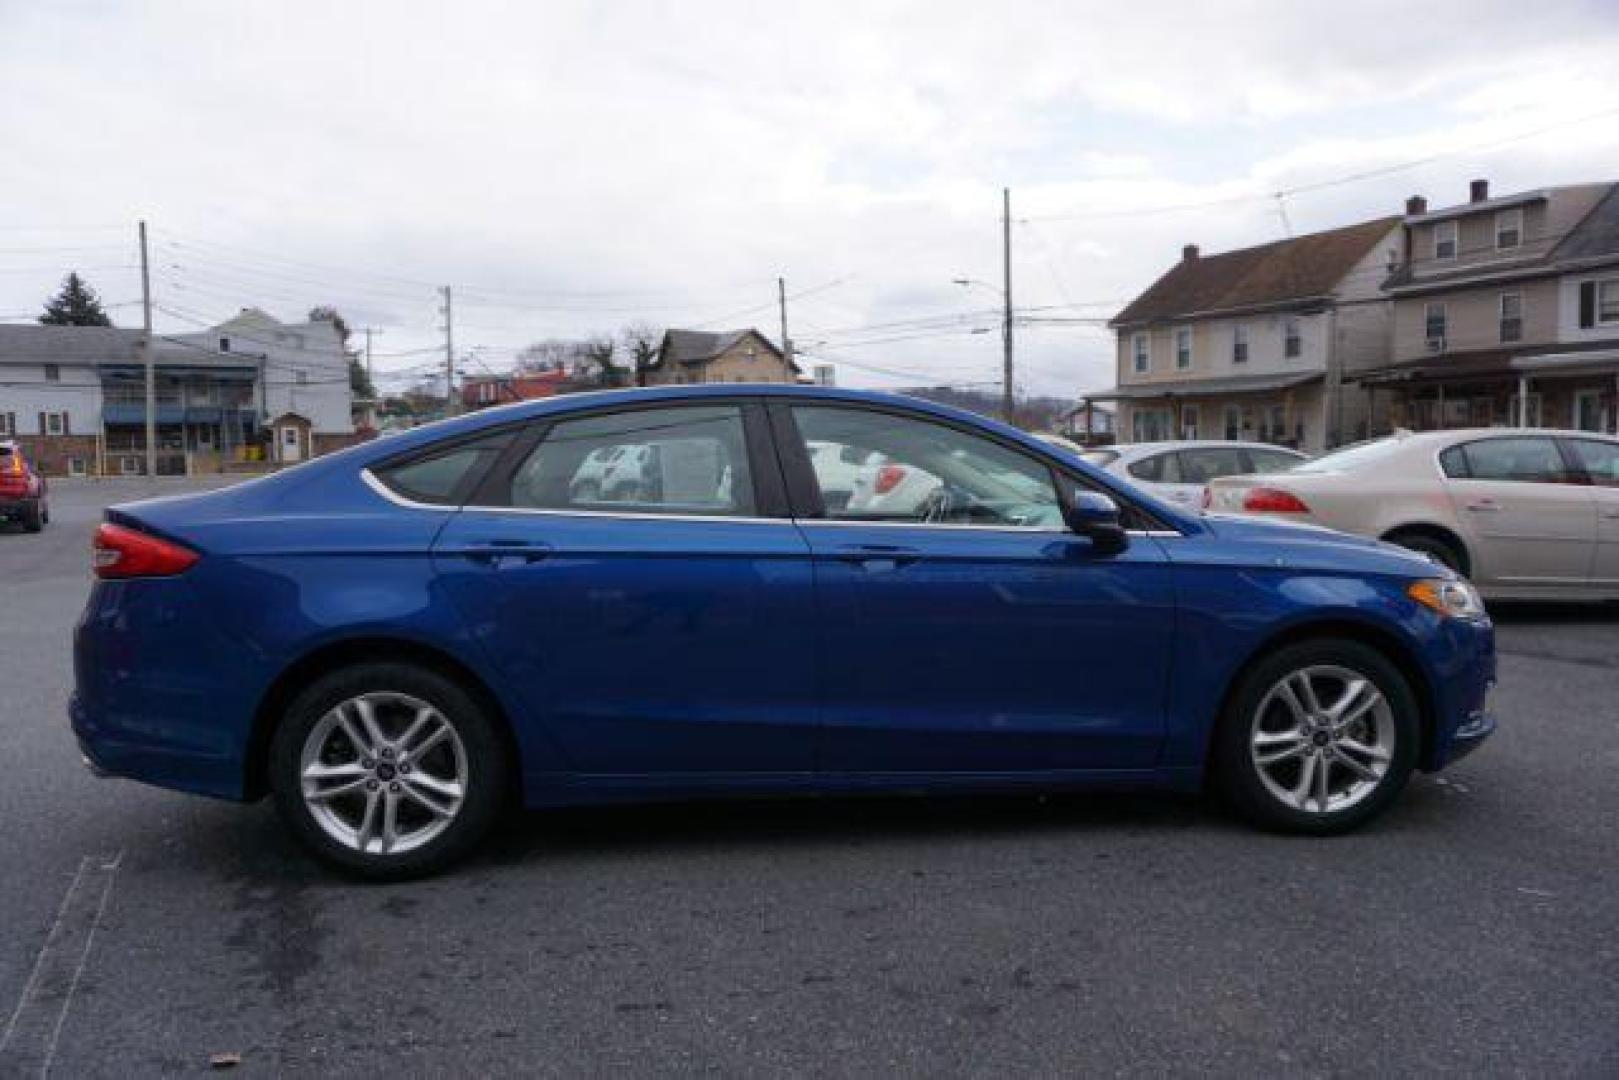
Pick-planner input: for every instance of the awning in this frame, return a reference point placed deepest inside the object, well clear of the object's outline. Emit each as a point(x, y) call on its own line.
point(1187, 388)
point(1493, 365)
point(1595, 362)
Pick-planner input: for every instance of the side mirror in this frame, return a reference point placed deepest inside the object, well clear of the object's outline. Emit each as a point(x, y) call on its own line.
point(1095, 516)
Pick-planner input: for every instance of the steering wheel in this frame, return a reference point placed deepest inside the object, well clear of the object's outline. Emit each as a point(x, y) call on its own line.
point(940, 503)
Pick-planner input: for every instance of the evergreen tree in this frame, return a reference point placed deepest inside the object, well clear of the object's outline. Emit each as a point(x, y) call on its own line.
point(75, 305)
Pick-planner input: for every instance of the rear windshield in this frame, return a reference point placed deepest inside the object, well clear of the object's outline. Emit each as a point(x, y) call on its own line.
point(1352, 457)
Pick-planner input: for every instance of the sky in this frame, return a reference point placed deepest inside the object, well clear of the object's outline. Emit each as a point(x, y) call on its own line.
point(571, 168)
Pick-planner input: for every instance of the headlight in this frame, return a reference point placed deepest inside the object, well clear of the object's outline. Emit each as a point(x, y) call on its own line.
point(1454, 599)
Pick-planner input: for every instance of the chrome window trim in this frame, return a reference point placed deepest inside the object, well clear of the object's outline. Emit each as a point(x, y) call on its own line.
point(394, 497)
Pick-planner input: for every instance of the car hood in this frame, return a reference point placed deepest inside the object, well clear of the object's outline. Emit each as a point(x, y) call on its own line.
point(1302, 545)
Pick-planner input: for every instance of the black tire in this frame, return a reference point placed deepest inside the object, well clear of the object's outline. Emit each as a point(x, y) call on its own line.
point(1238, 778)
point(488, 768)
point(33, 519)
point(1440, 550)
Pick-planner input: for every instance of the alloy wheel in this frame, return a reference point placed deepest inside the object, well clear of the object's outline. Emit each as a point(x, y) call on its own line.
point(383, 773)
point(1322, 738)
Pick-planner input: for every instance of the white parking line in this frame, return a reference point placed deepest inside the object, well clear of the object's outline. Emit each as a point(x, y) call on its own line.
point(28, 1043)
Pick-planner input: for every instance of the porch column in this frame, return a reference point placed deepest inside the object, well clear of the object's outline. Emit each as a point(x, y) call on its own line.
point(1523, 401)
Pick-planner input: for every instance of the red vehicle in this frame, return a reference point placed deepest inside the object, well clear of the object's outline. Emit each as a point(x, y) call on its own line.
point(22, 490)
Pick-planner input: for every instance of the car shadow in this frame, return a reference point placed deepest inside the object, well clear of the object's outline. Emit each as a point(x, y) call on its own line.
point(1527, 613)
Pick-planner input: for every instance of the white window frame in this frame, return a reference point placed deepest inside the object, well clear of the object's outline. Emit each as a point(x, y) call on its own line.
point(1183, 348)
point(1292, 338)
point(1239, 343)
point(1161, 420)
point(76, 466)
point(1606, 285)
point(1427, 320)
point(53, 372)
point(1513, 214)
point(1441, 227)
point(55, 423)
point(1140, 353)
point(1601, 413)
point(8, 424)
point(1189, 421)
point(129, 465)
point(1501, 317)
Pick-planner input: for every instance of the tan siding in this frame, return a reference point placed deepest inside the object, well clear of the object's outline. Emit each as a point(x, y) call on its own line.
point(1473, 318)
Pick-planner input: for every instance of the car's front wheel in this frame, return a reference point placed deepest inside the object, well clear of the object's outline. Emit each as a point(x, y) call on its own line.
point(387, 770)
point(1319, 737)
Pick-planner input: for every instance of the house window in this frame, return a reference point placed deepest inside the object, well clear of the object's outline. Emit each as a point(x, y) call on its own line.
point(1607, 293)
point(53, 372)
point(1150, 425)
point(303, 377)
point(75, 466)
point(1189, 420)
point(1233, 422)
point(8, 423)
point(1433, 323)
point(54, 423)
point(1239, 343)
point(1140, 353)
point(1292, 339)
point(1183, 349)
point(1444, 240)
point(1511, 317)
point(129, 465)
point(224, 344)
point(1509, 229)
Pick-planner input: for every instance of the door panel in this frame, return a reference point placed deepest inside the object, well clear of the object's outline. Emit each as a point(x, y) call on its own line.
point(1600, 461)
point(1525, 519)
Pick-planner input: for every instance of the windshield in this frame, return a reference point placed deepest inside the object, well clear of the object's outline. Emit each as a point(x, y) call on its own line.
point(1352, 457)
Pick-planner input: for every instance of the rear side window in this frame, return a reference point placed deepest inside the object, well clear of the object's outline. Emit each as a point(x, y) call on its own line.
point(1157, 469)
point(445, 477)
point(672, 460)
point(1209, 463)
point(1525, 460)
point(1453, 463)
point(1600, 460)
point(1268, 461)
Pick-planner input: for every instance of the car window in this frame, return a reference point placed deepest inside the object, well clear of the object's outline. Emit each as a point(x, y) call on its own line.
point(1600, 460)
point(443, 477)
point(1522, 459)
point(673, 460)
point(1205, 463)
point(1157, 469)
point(1453, 463)
point(920, 472)
point(1268, 461)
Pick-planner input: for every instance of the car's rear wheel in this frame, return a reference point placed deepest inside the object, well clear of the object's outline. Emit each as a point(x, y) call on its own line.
point(387, 770)
point(1318, 738)
point(1441, 551)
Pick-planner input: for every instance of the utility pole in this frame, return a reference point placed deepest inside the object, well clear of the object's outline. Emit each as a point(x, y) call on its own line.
point(146, 358)
point(368, 332)
point(1007, 404)
point(451, 405)
point(786, 342)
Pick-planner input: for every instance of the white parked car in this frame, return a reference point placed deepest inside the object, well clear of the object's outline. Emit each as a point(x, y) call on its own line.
point(884, 487)
point(1178, 471)
point(612, 473)
point(837, 467)
point(1526, 514)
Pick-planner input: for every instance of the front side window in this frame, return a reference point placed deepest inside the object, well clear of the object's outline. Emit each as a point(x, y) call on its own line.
point(1239, 343)
point(1527, 460)
point(1141, 358)
point(1444, 240)
point(1599, 460)
point(1183, 349)
point(1511, 316)
point(441, 477)
point(1292, 339)
point(1433, 322)
point(921, 472)
point(677, 460)
point(1509, 229)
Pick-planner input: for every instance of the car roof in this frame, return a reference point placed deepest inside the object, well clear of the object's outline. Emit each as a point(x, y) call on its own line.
point(1138, 449)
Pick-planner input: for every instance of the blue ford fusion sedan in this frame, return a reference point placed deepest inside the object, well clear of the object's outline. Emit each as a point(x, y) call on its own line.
point(700, 591)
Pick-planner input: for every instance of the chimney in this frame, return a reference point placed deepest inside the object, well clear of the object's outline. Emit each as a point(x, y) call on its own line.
point(1478, 191)
point(1416, 205)
point(1189, 253)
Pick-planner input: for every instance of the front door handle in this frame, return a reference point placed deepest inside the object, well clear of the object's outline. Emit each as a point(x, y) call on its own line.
point(877, 558)
point(499, 553)
point(1483, 506)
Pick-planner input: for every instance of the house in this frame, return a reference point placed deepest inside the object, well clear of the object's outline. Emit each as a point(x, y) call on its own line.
point(251, 388)
point(1506, 313)
point(482, 391)
point(729, 356)
point(1254, 344)
point(1089, 423)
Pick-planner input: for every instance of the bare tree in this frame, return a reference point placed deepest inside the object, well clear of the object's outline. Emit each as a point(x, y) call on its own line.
point(598, 354)
point(551, 354)
point(641, 341)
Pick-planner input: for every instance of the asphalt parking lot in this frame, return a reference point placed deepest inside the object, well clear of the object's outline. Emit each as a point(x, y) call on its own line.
point(1475, 930)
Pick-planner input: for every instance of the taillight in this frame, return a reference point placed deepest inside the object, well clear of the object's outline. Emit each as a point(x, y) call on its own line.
point(888, 478)
point(1208, 498)
point(1273, 501)
point(125, 553)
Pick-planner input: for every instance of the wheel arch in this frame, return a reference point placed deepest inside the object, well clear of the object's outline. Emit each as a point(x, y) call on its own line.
point(1386, 642)
point(335, 655)
point(1434, 531)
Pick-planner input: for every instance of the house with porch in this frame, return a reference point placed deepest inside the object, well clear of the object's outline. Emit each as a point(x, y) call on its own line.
point(728, 356)
point(1505, 313)
point(1255, 344)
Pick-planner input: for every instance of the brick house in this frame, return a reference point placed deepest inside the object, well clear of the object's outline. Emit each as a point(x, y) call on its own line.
point(1506, 313)
point(483, 391)
point(1255, 344)
point(730, 356)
